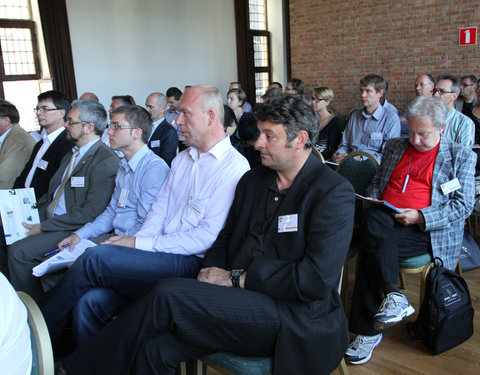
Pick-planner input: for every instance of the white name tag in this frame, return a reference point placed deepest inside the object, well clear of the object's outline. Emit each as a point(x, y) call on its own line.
point(288, 223)
point(450, 186)
point(42, 164)
point(155, 143)
point(122, 200)
point(196, 205)
point(77, 181)
point(376, 135)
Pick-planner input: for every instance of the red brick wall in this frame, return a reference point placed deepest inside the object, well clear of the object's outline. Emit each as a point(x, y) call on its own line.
point(335, 43)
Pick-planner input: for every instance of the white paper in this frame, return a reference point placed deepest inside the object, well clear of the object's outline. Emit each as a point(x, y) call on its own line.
point(17, 205)
point(62, 259)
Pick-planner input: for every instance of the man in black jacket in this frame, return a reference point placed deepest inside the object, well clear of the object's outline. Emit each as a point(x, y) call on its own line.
point(268, 286)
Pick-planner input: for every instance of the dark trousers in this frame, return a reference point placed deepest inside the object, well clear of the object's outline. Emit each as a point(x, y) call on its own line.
point(177, 320)
point(383, 242)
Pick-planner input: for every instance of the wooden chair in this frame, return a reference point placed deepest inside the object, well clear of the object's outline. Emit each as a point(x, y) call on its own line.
point(419, 264)
point(42, 354)
point(232, 364)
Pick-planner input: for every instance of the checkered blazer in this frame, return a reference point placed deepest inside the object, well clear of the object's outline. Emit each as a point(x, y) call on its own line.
point(445, 217)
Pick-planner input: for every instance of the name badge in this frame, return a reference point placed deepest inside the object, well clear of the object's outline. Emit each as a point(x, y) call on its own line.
point(376, 135)
point(155, 143)
point(42, 164)
point(122, 200)
point(196, 205)
point(450, 186)
point(288, 223)
point(77, 181)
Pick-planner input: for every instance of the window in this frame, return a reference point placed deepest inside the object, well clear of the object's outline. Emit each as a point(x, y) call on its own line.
point(257, 14)
point(20, 73)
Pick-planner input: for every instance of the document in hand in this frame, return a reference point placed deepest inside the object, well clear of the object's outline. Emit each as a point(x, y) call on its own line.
point(62, 259)
point(378, 201)
point(17, 205)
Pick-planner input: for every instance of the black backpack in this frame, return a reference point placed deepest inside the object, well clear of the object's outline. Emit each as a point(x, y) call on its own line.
point(445, 319)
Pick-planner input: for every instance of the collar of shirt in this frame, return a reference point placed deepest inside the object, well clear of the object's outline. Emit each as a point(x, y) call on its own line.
point(83, 150)
point(154, 127)
point(217, 151)
point(134, 160)
point(451, 113)
point(377, 115)
point(3, 136)
point(49, 138)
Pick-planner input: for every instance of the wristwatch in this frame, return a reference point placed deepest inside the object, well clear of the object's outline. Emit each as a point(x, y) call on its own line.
point(235, 277)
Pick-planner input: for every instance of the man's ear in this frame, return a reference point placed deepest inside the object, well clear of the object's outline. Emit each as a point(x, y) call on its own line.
point(301, 139)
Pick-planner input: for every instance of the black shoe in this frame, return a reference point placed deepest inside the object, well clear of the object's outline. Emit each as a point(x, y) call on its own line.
point(59, 369)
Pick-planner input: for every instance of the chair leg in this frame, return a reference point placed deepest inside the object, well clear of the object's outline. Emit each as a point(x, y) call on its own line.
point(183, 368)
point(401, 281)
point(342, 367)
point(423, 281)
point(459, 268)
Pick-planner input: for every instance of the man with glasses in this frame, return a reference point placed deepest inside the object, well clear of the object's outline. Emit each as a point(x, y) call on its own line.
point(140, 177)
point(468, 96)
point(458, 127)
point(51, 110)
point(78, 192)
point(295, 86)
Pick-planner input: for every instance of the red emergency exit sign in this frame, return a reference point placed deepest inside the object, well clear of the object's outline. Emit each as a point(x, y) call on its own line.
point(468, 36)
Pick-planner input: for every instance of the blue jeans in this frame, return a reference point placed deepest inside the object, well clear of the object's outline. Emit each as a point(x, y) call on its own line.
point(103, 281)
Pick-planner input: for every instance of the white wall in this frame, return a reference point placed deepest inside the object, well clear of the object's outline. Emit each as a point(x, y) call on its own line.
point(141, 46)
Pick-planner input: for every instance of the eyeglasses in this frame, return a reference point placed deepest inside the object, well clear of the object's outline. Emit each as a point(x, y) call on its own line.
point(44, 109)
point(118, 126)
point(317, 100)
point(70, 122)
point(467, 84)
point(441, 92)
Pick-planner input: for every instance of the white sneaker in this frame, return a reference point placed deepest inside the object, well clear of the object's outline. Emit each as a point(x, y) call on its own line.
point(360, 350)
point(393, 309)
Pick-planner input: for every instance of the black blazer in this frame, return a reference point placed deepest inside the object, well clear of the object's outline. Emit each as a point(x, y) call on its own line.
point(299, 270)
point(164, 142)
point(54, 155)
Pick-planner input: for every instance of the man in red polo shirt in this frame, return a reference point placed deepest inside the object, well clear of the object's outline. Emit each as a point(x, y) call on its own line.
point(431, 180)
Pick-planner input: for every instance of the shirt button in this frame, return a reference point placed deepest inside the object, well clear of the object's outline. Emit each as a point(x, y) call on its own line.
point(276, 199)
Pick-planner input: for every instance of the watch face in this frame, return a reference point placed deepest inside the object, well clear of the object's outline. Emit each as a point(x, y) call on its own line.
point(237, 273)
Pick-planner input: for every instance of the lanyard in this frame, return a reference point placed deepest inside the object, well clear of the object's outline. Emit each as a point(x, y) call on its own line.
point(409, 171)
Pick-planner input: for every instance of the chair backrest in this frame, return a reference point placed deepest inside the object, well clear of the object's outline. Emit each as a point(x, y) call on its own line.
point(42, 354)
point(318, 154)
point(358, 172)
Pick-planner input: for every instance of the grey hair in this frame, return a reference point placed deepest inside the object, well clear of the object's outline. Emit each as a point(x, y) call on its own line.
point(433, 108)
point(160, 98)
point(455, 81)
point(92, 111)
point(212, 99)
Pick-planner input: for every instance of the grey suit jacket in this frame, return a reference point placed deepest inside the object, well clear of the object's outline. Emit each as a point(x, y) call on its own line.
point(14, 154)
point(445, 217)
point(98, 167)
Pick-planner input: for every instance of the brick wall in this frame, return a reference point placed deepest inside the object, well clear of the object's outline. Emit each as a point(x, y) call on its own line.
point(335, 43)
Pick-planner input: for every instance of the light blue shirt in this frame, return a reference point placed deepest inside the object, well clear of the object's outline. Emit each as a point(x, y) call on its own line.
point(369, 133)
point(3, 136)
point(459, 128)
point(137, 183)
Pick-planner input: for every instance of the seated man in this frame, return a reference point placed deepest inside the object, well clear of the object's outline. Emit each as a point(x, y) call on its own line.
point(268, 286)
point(458, 127)
point(430, 178)
point(371, 126)
point(16, 145)
point(140, 177)
point(79, 191)
point(163, 140)
point(185, 218)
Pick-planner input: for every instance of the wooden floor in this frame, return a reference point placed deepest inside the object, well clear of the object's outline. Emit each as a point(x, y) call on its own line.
point(398, 354)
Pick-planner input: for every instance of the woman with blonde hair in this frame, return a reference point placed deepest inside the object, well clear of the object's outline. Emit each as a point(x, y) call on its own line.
point(331, 126)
